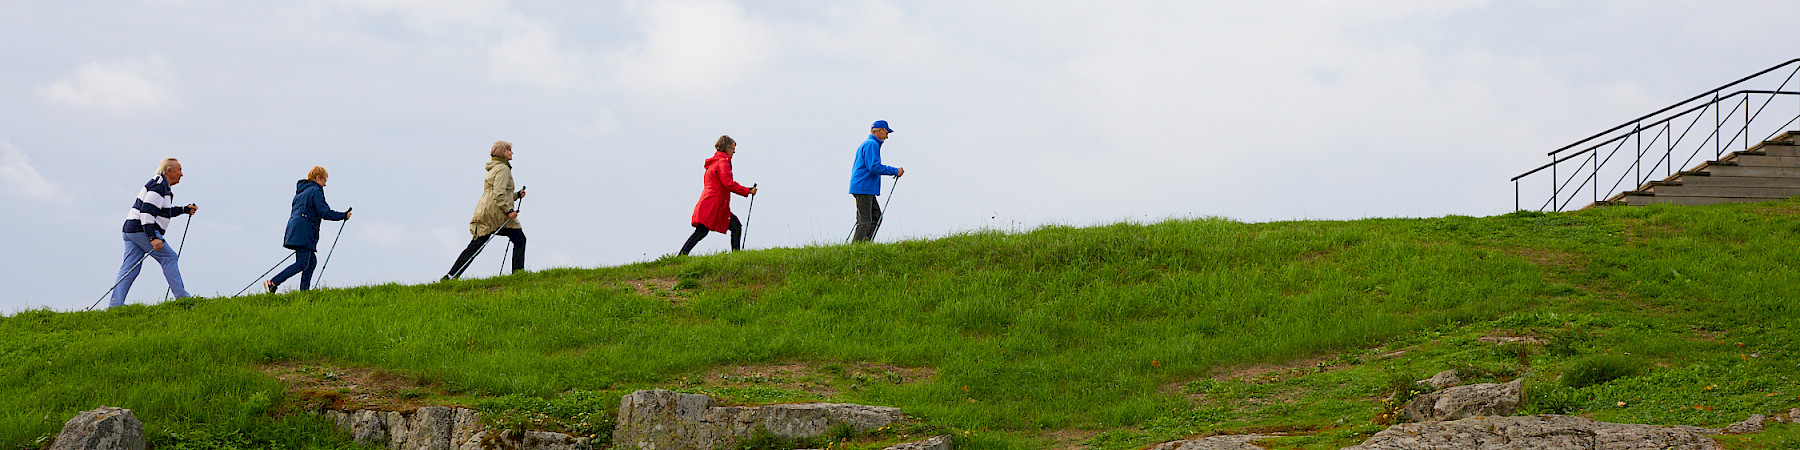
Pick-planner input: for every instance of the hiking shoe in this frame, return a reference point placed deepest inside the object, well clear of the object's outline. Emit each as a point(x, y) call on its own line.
point(269, 286)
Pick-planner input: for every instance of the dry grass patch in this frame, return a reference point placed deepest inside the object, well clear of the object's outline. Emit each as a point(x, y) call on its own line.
point(663, 288)
point(821, 379)
point(316, 386)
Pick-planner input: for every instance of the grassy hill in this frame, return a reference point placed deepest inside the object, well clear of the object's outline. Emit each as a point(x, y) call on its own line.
point(1110, 337)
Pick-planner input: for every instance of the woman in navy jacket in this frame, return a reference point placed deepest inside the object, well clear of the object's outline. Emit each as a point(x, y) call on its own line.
point(303, 228)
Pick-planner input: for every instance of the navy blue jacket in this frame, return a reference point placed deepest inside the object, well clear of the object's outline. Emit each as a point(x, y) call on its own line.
point(309, 208)
point(865, 174)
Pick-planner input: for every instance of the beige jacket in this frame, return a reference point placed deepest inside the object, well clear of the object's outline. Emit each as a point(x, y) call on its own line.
point(497, 195)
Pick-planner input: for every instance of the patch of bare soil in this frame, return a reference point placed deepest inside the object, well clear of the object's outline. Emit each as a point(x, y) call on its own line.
point(1068, 439)
point(819, 379)
point(663, 288)
point(1513, 339)
point(349, 388)
point(1271, 373)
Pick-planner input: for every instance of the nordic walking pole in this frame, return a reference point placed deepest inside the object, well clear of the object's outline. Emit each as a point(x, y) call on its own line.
point(744, 236)
point(265, 273)
point(505, 256)
point(185, 226)
point(320, 280)
point(884, 208)
point(115, 285)
point(490, 237)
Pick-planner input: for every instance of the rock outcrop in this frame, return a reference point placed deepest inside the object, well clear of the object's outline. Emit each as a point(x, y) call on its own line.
point(1442, 380)
point(666, 420)
point(932, 443)
point(1754, 424)
point(105, 428)
point(1487, 399)
point(1544, 432)
point(442, 428)
point(1231, 442)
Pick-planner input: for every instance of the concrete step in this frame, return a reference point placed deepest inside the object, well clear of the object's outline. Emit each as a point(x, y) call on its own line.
point(1724, 191)
point(1780, 150)
point(1758, 182)
point(1744, 159)
point(1647, 200)
point(1746, 171)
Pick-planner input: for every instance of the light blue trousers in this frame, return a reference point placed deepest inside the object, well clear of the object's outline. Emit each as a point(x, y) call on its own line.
point(136, 246)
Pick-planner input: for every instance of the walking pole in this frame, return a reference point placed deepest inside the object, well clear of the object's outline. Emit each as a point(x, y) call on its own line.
point(115, 285)
point(185, 226)
point(490, 237)
point(504, 256)
point(884, 208)
point(265, 273)
point(745, 235)
point(320, 280)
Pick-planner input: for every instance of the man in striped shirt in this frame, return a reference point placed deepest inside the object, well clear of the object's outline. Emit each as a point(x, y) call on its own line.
point(144, 228)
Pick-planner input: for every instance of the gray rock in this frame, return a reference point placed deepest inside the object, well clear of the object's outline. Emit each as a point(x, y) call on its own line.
point(1442, 380)
point(430, 429)
point(1754, 424)
point(932, 443)
point(399, 430)
point(1486, 399)
point(665, 420)
point(104, 428)
point(1543, 432)
point(369, 427)
point(467, 425)
point(340, 419)
point(1232, 442)
point(529, 440)
point(1791, 416)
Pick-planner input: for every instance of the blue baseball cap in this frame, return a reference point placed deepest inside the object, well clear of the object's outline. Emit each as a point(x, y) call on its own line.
point(882, 124)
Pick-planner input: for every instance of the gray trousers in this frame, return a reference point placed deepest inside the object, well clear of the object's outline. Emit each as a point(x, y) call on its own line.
point(868, 217)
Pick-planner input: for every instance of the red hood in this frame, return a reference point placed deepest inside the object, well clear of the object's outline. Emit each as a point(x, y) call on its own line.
point(717, 156)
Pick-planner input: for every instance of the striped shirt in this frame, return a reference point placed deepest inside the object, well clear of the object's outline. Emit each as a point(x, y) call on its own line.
point(150, 214)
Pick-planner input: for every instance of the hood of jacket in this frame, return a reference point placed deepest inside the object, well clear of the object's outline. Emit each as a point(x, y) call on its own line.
point(717, 156)
point(497, 161)
point(303, 184)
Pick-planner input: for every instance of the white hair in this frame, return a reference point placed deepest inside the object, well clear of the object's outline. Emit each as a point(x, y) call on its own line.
point(162, 168)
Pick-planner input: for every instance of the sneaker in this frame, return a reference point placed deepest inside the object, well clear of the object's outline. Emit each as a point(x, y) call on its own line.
point(269, 286)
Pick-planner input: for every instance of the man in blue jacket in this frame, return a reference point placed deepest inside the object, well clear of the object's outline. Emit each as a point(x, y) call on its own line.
point(865, 181)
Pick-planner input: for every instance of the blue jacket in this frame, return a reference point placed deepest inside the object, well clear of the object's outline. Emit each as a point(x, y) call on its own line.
point(309, 208)
point(865, 176)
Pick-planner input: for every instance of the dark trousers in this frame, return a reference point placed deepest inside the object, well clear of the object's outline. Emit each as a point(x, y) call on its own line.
point(517, 236)
point(868, 217)
point(304, 262)
point(700, 231)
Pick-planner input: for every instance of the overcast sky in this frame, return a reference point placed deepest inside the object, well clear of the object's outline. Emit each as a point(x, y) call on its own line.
point(1008, 114)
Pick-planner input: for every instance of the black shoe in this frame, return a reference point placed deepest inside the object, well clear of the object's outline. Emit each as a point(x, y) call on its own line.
point(445, 278)
point(269, 286)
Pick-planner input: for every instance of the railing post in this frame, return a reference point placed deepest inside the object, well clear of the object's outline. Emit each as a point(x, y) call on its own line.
point(1555, 201)
point(1516, 196)
point(1669, 149)
point(1594, 158)
point(1638, 167)
point(1718, 148)
point(1747, 121)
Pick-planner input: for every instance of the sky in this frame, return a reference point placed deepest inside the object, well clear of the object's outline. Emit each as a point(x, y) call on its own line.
point(1008, 115)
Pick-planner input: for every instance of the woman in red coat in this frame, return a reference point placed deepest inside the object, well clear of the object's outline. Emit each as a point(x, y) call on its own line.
point(713, 213)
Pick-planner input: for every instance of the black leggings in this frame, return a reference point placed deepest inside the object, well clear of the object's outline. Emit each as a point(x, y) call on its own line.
point(517, 236)
point(737, 236)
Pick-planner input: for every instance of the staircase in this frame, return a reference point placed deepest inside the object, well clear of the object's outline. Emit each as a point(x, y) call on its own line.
point(1741, 135)
point(1767, 171)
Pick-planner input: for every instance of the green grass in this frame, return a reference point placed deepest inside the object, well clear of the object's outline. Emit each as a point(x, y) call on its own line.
point(1113, 331)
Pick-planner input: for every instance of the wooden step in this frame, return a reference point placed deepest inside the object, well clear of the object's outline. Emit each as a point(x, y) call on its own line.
point(1743, 171)
point(1724, 191)
point(1652, 200)
point(1758, 182)
point(1752, 160)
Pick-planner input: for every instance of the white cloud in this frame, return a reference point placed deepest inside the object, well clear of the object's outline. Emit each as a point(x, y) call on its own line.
point(694, 48)
point(116, 87)
point(520, 49)
point(21, 179)
point(530, 54)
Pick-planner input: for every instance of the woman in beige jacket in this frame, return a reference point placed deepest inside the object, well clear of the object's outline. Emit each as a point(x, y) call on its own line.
point(494, 213)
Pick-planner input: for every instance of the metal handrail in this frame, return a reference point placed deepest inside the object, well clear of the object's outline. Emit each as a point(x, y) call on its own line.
point(1598, 162)
point(1713, 92)
point(1652, 125)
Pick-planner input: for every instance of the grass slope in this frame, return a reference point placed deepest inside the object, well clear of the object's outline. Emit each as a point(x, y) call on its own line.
point(1109, 337)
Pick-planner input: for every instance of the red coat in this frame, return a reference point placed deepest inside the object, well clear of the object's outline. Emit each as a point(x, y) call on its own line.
point(714, 209)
